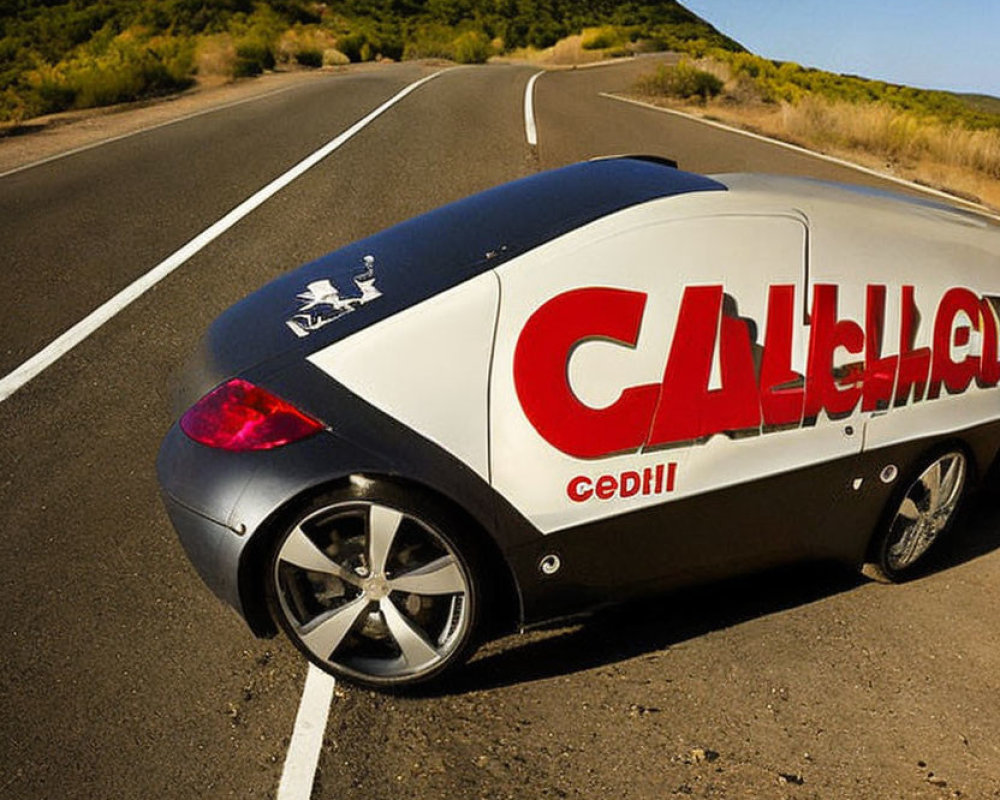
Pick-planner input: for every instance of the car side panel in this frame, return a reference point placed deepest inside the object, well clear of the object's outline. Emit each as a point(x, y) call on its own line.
point(428, 367)
point(923, 282)
point(626, 556)
point(628, 382)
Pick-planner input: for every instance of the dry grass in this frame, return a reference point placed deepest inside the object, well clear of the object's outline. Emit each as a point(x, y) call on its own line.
point(947, 156)
point(216, 55)
point(300, 40)
point(897, 137)
point(332, 57)
point(564, 53)
point(216, 59)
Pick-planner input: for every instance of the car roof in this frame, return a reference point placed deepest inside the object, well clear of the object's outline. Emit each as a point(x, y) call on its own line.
point(431, 253)
point(805, 192)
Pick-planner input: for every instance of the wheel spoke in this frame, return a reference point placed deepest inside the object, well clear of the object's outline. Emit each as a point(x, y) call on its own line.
point(299, 549)
point(441, 576)
point(951, 484)
point(909, 509)
point(325, 633)
point(931, 479)
point(416, 649)
point(383, 523)
point(903, 551)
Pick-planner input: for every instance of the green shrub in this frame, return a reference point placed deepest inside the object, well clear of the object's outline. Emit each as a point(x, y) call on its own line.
point(334, 58)
point(127, 67)
point(253, 56)
point(430, 40)
point(683, 81)
point(309, 57)
point(601, 38)
point(472, 47)
point(351, 45)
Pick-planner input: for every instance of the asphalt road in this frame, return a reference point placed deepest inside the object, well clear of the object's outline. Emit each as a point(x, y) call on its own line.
point(121, 676)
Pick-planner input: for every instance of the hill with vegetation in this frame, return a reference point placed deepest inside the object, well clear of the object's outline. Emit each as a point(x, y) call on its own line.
point(946, 140)
point(982, 102)
point(60, 55)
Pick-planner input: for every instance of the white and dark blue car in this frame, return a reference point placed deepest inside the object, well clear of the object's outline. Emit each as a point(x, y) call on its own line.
point(597, 382)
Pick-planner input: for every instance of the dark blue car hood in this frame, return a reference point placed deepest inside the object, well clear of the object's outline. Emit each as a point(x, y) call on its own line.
point(419, 258)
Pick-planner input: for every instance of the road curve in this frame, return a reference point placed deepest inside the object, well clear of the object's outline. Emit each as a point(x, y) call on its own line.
point(123, 676)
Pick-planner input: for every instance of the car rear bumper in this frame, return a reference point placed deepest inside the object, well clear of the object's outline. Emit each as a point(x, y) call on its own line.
point(224, 505)
point(212, 548)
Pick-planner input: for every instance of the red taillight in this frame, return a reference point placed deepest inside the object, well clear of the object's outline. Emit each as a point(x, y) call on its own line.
point(240, 416)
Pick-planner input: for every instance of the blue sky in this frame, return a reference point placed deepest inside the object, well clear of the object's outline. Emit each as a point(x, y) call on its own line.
point(936, 44)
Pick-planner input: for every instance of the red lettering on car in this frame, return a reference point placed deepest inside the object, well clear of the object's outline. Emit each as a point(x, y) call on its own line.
point(955, 375)
point(914, 364)
point(782, 390)
point(658, 479)
point(580, 488)
point(541, 379)
point(688, 409)
point(880, 371)
point(682, 407)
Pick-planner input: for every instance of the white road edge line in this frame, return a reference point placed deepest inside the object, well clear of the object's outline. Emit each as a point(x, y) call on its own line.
point(981, 209)
point(137, 131)
point(52, 352)
point(302, 758)
point(530, 130)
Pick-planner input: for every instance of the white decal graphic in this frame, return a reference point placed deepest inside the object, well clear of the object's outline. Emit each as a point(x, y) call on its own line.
point(322, 303)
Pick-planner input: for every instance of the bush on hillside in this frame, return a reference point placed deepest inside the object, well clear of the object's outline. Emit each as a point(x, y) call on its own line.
point(334, 58)
point(57, 54)
point(601, 38)
point(683, 81)
point(123, 68)
point(472, 47)
point(253, 56)
point(429, 41)
point(309, 57)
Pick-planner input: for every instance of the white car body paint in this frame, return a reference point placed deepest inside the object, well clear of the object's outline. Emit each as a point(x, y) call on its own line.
point(746, 239)
point(532, 474)
point(428, 367)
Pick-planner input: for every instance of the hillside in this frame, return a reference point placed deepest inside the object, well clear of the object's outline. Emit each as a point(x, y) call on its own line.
point(944, 140)
point(59, 55)
point(982, 102)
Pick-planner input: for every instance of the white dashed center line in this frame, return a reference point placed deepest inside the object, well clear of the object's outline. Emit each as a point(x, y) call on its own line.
point(307, 737)
point(530, 130)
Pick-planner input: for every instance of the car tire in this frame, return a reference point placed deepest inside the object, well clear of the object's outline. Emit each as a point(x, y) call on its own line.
point(919, 515)
point(378, 584)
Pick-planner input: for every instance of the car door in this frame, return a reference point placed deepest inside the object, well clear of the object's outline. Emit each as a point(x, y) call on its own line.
point(645, 369)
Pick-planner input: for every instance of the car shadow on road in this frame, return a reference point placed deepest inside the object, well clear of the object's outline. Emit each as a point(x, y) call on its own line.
point(978, 534)
point(633, 629)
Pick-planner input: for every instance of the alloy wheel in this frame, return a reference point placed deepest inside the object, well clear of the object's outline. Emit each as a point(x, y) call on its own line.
point(373, 593)
point(926, 510)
